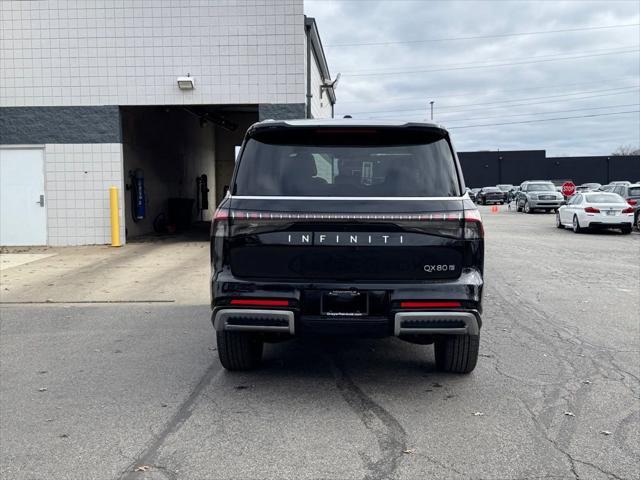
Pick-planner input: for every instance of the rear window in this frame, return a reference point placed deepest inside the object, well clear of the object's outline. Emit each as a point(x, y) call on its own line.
point(541, 187)
point(492, 190)
point(604, 198)
point(634, 191)
point(357, 163)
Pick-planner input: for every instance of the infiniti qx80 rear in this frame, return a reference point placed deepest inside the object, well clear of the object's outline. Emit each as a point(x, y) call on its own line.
point(335, 228)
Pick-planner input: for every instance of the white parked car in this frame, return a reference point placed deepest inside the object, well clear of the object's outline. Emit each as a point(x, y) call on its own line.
point(595, 210)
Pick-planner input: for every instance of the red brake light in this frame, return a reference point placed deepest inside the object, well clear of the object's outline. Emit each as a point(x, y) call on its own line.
point(259, 302)
point(429, 304)
point(345, 131)
point(631, 201)
point(628, 210)
point(221, 214)
point(591, 210)
point(473, 224)
point(472, 216)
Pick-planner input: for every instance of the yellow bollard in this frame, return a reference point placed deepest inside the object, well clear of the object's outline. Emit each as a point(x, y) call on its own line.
point(115, 217)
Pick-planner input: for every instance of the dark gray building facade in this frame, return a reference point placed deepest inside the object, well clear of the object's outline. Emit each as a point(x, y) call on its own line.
point(515, 166)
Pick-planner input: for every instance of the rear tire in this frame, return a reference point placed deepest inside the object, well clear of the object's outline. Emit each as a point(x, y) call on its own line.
point(239, 350)
point(576, 225)
point(558, 222)
point(457, 353)
point(626, 230)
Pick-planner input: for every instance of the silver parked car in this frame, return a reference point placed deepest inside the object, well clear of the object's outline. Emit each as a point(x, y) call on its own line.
point(538, 195)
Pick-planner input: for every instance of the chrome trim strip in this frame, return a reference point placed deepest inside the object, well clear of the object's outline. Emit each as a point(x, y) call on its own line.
point(469, 318)
point(220, 320)
point(284, 197)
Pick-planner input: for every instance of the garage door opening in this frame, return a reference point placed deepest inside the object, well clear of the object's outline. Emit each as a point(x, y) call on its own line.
point(177, 160)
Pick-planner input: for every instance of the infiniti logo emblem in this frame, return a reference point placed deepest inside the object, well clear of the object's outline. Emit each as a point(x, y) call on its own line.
point(345, 238)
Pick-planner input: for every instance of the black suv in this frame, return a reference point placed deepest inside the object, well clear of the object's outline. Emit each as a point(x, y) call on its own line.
point(341, 228)
point(489, 195)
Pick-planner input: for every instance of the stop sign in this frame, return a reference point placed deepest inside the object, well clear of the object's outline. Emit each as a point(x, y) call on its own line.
point(568, 189)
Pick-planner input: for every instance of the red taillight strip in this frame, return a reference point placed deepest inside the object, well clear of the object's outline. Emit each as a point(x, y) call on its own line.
point(259, 302)
point(472, 216)
point(221, 214)
point(432, 216)
point(430, 304)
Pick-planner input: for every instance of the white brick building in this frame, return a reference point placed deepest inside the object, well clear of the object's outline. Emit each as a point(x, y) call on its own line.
point(89, 93)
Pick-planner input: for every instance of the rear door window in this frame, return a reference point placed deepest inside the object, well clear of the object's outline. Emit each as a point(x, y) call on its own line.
point(386, 163)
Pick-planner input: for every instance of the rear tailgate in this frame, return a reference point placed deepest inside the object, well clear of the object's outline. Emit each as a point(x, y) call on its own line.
point(343, 240)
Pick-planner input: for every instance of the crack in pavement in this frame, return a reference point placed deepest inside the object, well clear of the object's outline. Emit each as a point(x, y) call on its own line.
point(572, 344)
point(150, 454)
point(391, 438)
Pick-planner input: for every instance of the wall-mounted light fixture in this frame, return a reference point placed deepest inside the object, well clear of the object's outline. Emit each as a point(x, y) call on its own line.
point(186, 83)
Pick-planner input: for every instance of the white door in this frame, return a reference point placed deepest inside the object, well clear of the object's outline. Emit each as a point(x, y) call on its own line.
point(23, 217)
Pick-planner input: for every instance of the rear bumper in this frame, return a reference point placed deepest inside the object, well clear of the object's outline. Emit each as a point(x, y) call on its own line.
point(613, 223)
point(434, 323)
point(408, 323)
point(385, 317)
point(601, 220)
point(254, 320)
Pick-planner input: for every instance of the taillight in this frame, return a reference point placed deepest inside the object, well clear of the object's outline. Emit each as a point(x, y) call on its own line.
point(219, 231)
point(436, 304)
point(259, 302)
point(221, 214)
point(628, 210)
point(631, 201)
point(591, 210)
point(220, 222)
point(473, 224)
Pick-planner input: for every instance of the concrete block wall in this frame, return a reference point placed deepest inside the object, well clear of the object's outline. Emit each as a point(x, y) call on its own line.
point(77, 181)
point(126, 52)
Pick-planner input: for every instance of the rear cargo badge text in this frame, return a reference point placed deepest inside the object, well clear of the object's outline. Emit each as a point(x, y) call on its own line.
point(344, 238)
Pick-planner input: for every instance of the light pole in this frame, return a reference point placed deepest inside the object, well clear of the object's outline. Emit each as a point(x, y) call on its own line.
point(431, 103)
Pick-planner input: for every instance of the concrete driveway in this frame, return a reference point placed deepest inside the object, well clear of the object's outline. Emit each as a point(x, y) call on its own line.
point(101, 390)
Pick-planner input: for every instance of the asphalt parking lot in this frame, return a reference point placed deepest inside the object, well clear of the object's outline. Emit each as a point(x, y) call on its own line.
point(100, 390)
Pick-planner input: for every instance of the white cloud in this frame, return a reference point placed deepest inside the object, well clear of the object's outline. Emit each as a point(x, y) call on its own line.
point(366, 21)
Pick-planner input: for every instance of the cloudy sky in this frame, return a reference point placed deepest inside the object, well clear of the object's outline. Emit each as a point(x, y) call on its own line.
point(486, 62)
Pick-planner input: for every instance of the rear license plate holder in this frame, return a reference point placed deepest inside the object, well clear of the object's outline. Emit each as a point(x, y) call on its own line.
point(611, 213)
point(351, 303)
